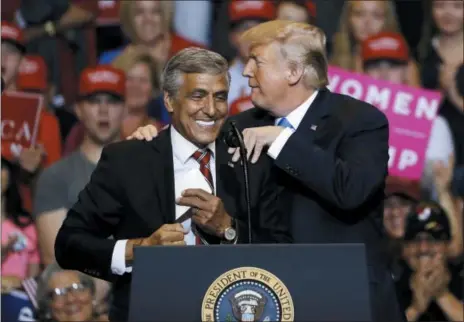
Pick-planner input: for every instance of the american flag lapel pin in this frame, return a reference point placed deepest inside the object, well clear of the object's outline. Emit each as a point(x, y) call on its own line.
point(313, 127)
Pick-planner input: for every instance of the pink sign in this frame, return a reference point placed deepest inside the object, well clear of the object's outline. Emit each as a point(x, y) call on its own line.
point(410, 112)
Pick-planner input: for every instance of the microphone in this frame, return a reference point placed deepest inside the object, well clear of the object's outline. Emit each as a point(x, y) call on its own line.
point(234, 139)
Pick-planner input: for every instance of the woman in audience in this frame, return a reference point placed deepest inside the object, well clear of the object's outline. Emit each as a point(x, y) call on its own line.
point(142, 85)
point(66, 296)
point(358, 21)
point(147, 25)
point(20, 255)
point(442, 43)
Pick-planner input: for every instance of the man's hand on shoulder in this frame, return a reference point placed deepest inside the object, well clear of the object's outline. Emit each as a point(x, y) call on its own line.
point(146, 133)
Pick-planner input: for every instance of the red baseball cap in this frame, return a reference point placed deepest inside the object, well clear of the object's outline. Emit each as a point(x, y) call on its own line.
point(385, 45)
point(32, 74)
point(102, 79)
point(11, 33)
point(251, 10)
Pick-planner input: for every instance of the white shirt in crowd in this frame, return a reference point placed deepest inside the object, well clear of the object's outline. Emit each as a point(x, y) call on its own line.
point(186, 175)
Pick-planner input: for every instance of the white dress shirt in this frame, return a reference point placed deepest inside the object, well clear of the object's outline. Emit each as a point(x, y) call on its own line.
point(295, 118)
point(186, 175)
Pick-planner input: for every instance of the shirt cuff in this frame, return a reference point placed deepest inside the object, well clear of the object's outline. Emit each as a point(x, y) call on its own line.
point(118, 261)
point(279, 143)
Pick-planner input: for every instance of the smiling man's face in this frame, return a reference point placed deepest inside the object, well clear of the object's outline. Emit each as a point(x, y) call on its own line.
point(200, 107)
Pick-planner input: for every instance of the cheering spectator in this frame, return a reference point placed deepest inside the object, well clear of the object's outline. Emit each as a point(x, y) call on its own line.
point(20, 255)
point(296, 10)
point(443, 53)
point(244, 15)
point(142, 85)
point(12, 53)
point(430, 286)
point(101, 111)
point(32, 78)
point(66, 296)
point(385, 56)
point(48, 148)
point(359, 20)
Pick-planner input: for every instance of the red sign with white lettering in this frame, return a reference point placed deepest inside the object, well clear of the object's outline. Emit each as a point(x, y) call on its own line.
point(20, 122)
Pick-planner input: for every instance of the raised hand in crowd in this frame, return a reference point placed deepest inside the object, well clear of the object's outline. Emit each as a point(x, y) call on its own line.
point(443, 175)
point(31, 158)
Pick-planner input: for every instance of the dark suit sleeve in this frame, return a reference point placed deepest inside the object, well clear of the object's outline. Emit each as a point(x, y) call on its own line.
point(82, 242)
point(350, 176)
point(274, 214)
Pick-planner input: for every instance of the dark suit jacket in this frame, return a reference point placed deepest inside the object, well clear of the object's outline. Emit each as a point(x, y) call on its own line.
point(131, 195)
point(334, 168)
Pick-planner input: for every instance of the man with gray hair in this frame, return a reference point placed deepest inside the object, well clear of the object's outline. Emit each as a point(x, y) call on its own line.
point(140, 191)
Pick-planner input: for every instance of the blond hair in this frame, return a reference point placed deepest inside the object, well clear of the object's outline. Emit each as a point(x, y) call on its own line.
point(343, 42)
point(301, 44)
point(126, 16)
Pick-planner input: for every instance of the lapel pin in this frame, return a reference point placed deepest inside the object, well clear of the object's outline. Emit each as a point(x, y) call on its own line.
point(313, 127)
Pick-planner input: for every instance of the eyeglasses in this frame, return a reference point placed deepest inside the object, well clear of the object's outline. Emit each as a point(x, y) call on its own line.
point(74, 288)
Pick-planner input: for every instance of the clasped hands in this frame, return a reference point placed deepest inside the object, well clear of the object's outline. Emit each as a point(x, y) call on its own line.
point(428, 284)
point(209, 215)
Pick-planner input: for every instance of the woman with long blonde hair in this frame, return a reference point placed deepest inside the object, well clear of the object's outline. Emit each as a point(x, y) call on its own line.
point(147, 24)
point(358, 21)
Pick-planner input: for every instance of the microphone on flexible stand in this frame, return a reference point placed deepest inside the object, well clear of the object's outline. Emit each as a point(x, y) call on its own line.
point(234, 139)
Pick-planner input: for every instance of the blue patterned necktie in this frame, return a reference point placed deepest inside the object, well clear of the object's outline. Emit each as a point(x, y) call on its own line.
point(285, 123)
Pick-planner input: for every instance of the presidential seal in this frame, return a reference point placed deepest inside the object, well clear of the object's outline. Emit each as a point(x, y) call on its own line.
point(247, 294)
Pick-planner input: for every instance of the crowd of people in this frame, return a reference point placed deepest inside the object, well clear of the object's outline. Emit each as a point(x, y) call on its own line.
point(118, 90)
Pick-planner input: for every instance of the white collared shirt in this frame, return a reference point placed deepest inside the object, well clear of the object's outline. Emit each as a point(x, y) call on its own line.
point(185, 176)
point(295, 117)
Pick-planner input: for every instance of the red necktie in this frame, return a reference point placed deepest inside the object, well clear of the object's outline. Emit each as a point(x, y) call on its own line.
point(203, 157)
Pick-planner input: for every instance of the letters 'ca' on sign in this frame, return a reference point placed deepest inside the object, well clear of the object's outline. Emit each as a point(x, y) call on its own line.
point(20, 122)
point(247, 294)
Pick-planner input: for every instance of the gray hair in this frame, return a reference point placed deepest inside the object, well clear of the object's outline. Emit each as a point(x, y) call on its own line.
point(191, 60)
point(42, 288)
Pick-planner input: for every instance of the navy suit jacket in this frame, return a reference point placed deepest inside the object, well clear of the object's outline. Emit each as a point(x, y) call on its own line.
point(333, 169)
